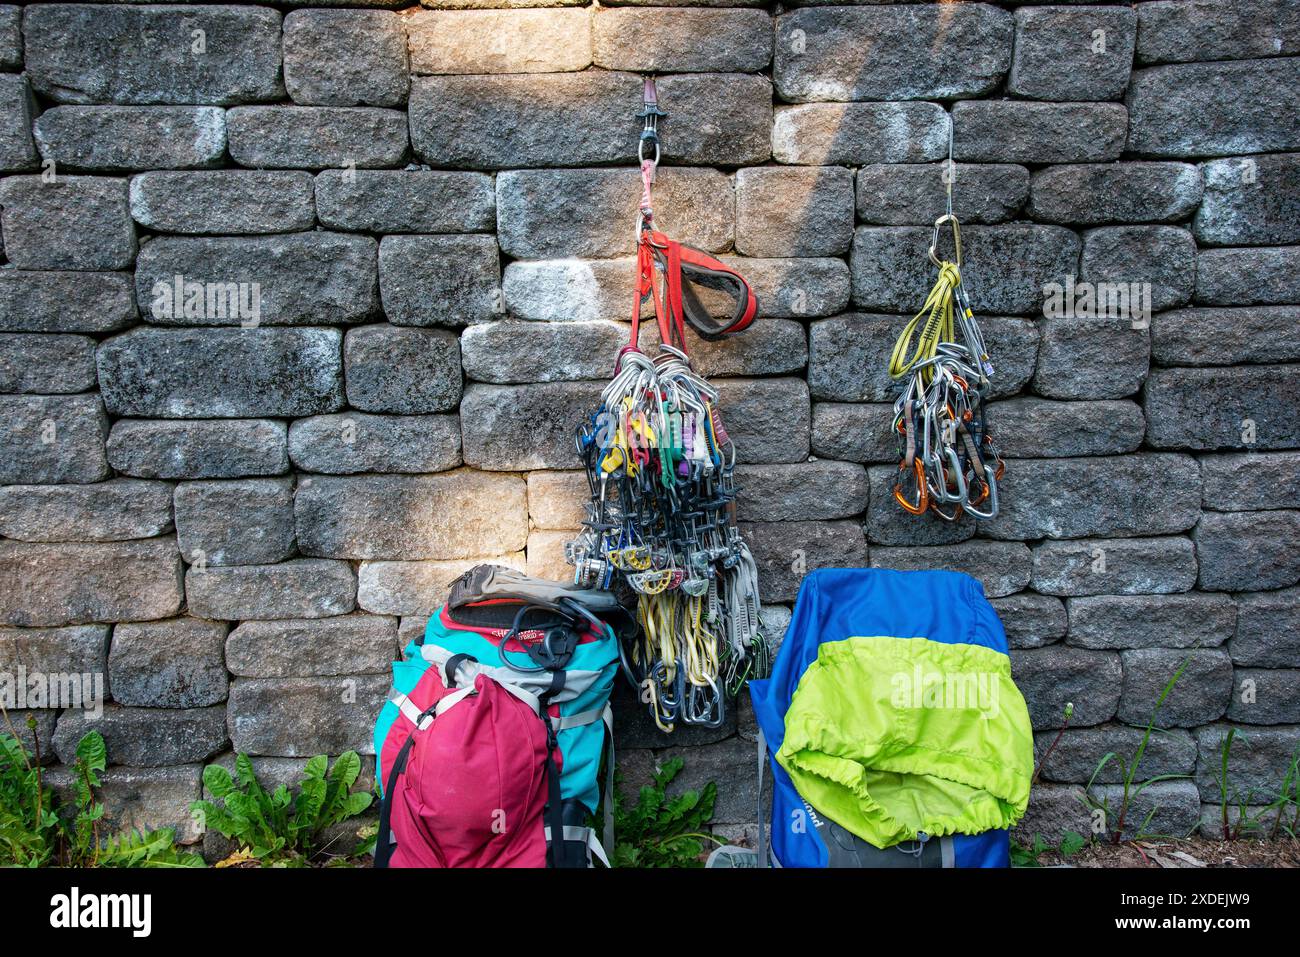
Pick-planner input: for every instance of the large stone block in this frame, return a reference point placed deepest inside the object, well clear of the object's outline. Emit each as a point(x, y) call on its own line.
point(316, 137)
point(1002, 568)
point(794, 211)
point(563, 290)
point(1247, 551)
point(296, 279)
point(1213, 109)
point(544, 214)
point(887, 53)
point(914, 194)
point(1005, 268)
point(17, 106)
point(1092, 358)
point(154, 54)
point(1268, 629)
point(1031, 621)
point(146, 737)
point(178, 663)
point(1250, 201)
point(1093, 194)
point(222, 373)
point(223, 201)
point(1199, 695)
point(823, 134)
point(1250, 481)
point(500, 41)
point(355, 644)
point(80, 650)
point(557, 500)
point(1215, 337)
point(406, 201)
point(1065, 53)
point(742, 132)
point(48, 584)
point(116, 139)
point(241, 522)
point(300, 717)
point(1140, 494)
point(506, 428)
point(1016, 131)
point(1052, 677)
point(1239, 407)
point(439, 280)
point(1265, 696)
point(460, 514)
point(1080, 755)
point(846, 355)
point(1151, 621)
point(46, 364)
point(302, 588)
point(49, 439)
point(345, 58)
point(394, 369)
point(807, 491)
point(786, 551)
point(74, 222)
point(771, 346)
point(1172, 31)
point(512, 121)
point(515, 351)
point(854, 431)
point(656, 40)
point(1258, 762)
point(115, 510)
point(1117, 566)
point(33, 301)
point(418, 588)
point(201, 449)
point(1029, 426)
point(1244, 277)
point(1160, 258)
point(348, 443)
point(11, 37)
point(770, 420)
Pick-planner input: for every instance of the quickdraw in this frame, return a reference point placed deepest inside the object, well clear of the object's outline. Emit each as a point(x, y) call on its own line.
point(948, 464)
point(660, 467)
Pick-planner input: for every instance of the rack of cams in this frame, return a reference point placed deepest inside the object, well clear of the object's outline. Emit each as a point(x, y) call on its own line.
point(661, 519)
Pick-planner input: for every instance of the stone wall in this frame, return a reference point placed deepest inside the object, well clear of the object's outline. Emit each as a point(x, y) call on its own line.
point(234, 507)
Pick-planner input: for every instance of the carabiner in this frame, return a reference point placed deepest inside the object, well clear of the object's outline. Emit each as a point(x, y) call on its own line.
point(956, 239)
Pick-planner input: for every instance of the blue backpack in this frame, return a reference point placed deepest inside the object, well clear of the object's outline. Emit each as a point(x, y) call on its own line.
point(891, 725)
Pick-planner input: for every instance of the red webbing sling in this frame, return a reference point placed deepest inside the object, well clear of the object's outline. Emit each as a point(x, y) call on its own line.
point(682, 270)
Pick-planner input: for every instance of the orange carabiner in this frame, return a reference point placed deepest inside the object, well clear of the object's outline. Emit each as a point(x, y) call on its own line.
point(922, 495)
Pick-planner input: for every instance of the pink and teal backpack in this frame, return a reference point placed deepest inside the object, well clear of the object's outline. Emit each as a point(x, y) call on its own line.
point(489, 749)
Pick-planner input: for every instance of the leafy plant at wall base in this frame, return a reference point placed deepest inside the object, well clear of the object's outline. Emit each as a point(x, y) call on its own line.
point(663, 832)
point(1288, 797)
point(1072, 842)
point(279, 828)
point(1131, 790)
point(29, 828)
point(33, 831)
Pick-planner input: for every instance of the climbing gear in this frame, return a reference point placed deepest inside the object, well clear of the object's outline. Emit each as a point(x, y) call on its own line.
point(490, 744)
point(891, 725)
point(661, 474)
point(948, 463)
